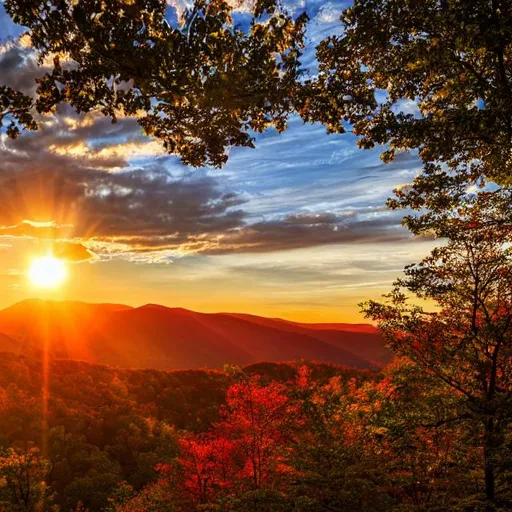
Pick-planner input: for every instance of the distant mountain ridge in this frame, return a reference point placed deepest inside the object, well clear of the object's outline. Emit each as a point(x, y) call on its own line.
point(159, 337)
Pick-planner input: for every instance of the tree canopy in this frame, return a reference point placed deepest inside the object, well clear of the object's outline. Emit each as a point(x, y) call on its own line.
point(434, 75)
point(200, 86)
point(429, 75)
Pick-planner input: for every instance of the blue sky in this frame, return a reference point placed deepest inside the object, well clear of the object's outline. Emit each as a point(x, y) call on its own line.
point(299, 227)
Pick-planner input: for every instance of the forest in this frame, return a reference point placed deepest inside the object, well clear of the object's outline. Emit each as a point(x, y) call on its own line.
point(272, 436)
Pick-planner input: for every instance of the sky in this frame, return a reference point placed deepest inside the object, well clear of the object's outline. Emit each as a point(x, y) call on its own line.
point(295, 228)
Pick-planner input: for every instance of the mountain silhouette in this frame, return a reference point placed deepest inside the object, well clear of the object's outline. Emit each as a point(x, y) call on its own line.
point(159, 337)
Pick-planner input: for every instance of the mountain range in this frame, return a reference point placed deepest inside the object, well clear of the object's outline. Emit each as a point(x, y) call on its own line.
point(159, 337)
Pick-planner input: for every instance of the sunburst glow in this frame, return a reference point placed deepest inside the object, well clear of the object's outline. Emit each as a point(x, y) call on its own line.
point(47, 272)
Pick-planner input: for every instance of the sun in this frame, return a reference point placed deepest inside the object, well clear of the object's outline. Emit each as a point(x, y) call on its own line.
point(47, 272)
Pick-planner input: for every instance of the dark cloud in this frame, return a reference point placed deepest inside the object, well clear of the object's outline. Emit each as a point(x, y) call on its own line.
point(19, 67)
point(145, 202)
point(45, 194)
point(72, 181)
point(294, 232)
point(50, 195)
point(278, 235)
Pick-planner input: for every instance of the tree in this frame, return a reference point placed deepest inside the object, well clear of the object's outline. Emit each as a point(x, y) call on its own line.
point(239, 464)
point(434, 76)
point(156, 497)
point(430, 461)
point(207, 465)
point(21, 413)
point(338, 461)
point(376, 445)
point(431, 75)
point(259, 418)
point(23, 481)
point(200, 86)
point(465, 342)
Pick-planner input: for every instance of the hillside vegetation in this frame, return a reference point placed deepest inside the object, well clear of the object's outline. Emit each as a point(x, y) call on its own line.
point(268, 437)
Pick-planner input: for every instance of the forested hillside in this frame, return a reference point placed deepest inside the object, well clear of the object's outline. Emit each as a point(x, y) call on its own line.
point(271, 437)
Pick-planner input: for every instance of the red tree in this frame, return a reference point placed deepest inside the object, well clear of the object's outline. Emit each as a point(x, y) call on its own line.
point(260, 420)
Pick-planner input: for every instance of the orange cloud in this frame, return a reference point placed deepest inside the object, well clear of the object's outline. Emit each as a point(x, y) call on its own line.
point(29, 228)
point(71, 251)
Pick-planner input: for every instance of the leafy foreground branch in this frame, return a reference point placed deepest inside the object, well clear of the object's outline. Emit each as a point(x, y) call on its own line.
point(200, 87)
point(428, 75)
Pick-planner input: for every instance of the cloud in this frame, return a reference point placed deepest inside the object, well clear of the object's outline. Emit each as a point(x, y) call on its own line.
point(28, 228)
point(19, 67)
point(115, 208)
point(287, 233)
point(55, 191)
point(60, 195)
point(72, 180)
point(330, 12)
point(71, 251)
point(299, 231)
point(106, 187)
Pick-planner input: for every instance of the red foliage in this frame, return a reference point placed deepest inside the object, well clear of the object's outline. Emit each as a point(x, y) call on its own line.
point(247, 449)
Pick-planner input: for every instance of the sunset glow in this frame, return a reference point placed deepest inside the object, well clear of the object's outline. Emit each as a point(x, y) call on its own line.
point(47, 272)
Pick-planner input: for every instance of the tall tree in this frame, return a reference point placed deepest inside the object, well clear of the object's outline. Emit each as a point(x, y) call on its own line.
point(260, 418)
point(338, 462)
point(207, 466)
point(200, 86)
point(465, 341)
